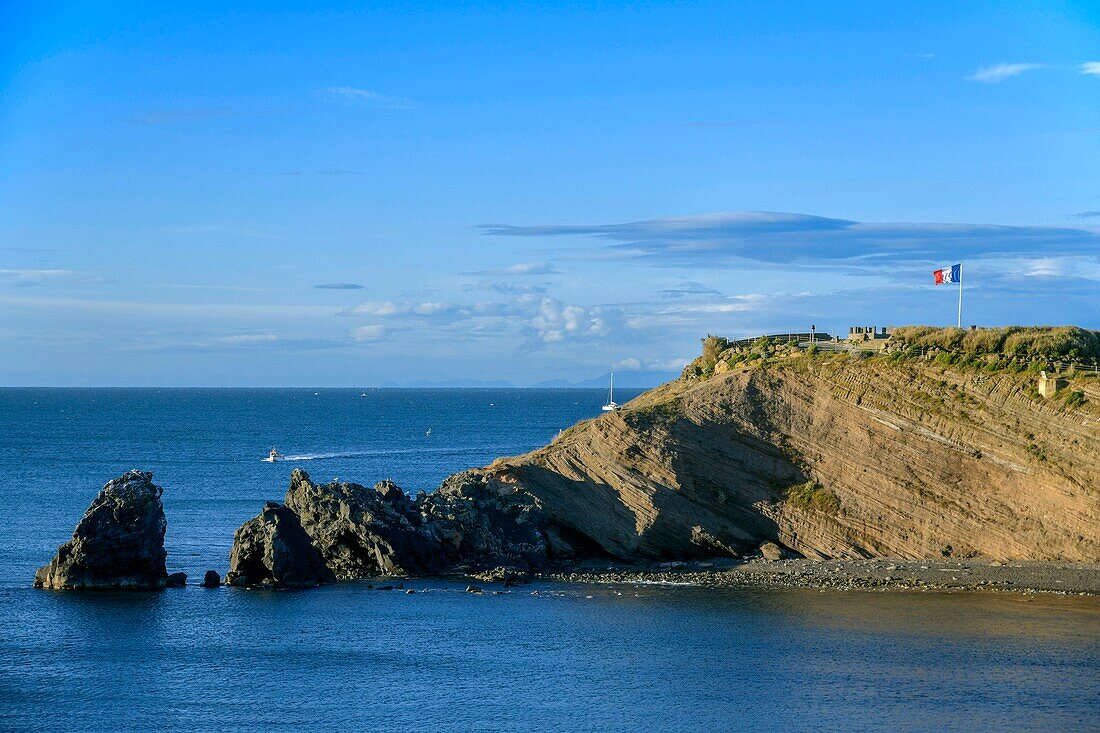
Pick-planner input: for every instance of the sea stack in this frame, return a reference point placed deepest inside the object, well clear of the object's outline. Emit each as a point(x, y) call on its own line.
point(117, 544)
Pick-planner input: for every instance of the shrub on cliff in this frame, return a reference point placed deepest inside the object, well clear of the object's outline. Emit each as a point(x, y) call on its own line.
point(1075, 398)
point(811, 495)
point(712, 347)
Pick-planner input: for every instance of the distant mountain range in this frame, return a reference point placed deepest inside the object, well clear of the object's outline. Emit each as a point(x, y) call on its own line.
point(626, 380)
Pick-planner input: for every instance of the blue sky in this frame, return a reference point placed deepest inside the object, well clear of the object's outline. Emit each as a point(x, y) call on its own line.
point(280, 194)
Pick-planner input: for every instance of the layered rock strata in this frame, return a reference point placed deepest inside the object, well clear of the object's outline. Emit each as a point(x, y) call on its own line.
point(833, 457)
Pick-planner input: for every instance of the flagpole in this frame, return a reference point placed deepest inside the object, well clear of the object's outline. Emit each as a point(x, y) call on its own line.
point(960, 295)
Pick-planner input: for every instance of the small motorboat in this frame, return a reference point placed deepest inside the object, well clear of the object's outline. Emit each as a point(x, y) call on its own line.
point(273, 456)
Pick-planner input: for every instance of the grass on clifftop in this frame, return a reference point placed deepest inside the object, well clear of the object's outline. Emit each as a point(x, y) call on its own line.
point(1046, 342)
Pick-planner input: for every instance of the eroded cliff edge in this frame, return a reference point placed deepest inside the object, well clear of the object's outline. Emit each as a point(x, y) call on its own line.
point(832, 455)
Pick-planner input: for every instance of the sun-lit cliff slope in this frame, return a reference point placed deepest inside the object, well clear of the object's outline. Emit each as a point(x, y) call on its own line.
point(931, 448)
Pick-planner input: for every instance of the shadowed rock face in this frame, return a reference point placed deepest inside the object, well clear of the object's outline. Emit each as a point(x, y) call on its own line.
point(272, 550)
point(118, 543)
point(363, 532)
point(482, 522)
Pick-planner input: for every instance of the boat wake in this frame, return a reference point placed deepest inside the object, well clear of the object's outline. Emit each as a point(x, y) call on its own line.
point(359, 454)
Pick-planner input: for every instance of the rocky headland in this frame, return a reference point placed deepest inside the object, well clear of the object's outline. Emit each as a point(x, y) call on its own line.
point(766, 463)
point(900, 454)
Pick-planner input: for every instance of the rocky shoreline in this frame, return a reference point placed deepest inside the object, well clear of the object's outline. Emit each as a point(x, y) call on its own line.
point(473, 530)
point(845, 575)
point(792, 468)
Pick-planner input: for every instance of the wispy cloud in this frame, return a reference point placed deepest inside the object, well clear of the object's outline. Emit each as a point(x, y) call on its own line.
point(328, 172)
point(26, 278)
point(505, 287)
point(535, 321)
point(386, 308)
point(227, 229)
point(339, 286)
point(523, 268)
point(1000, 72)
point(364, 98)
point(735, 238)
point(732, 304)
point(1086, 214)
point(634, 364)
point(1092, 68)
point(366, 334)
point(688, 288)
point(180, 116)
point(247, 339)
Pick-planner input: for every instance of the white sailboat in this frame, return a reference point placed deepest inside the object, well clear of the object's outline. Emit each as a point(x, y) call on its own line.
point(611, 405)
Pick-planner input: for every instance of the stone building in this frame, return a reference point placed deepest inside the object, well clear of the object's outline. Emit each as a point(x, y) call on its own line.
point(869, 337)
point(1049, 384)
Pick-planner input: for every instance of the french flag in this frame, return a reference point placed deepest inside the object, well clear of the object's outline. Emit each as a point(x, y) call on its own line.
point(951, 274)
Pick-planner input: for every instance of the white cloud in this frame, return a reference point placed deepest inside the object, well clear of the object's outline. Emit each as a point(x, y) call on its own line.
point(250, 338)
point(376, 308)
point(629, 364)
point(365, 334)
point(557, 321)
point(34, 277)
point(523, 268)
point(505, 287)
point(730, 304)
point(365, 98)
point(1092, 68)
point(1000, 72)
point(634, 364)
point(668, 365)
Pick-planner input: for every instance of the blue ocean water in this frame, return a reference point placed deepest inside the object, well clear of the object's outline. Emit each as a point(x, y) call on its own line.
point(573, 658)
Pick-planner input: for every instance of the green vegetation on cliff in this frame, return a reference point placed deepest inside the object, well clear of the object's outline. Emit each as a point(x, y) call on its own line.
point(811, 495)
point(1044, 342)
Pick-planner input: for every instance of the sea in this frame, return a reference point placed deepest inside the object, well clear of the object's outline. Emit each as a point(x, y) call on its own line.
point(628, 657)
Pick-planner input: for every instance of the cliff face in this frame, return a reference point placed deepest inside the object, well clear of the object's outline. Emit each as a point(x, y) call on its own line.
point(831, 456)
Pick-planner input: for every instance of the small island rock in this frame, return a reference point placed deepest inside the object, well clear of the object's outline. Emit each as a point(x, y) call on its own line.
point(273, 550)
point(211, 579)
point(117, 544)
point(176, 580)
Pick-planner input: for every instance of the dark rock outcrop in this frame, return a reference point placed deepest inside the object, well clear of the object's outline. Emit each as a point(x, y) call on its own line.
point(484, 522)
point(176, 580)
point(118, 543)
point(211, 579)
point(272, 550)
point(363, 532)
